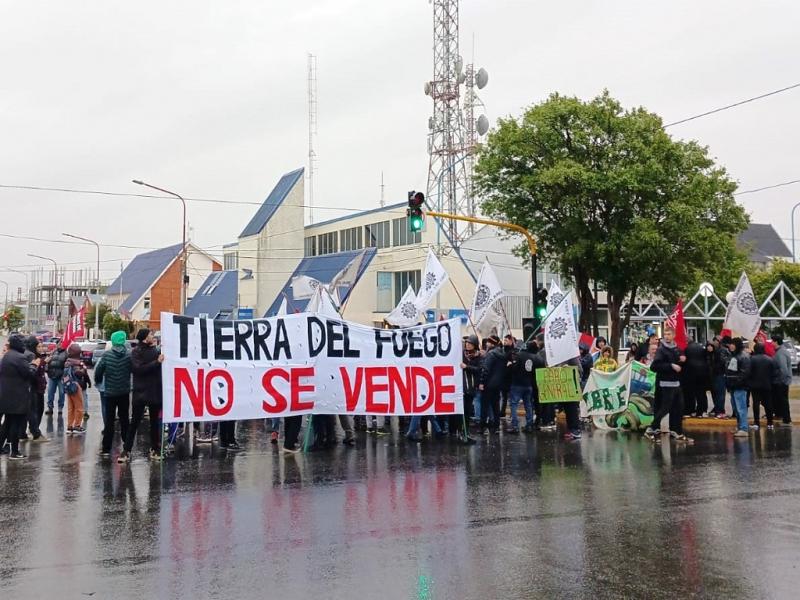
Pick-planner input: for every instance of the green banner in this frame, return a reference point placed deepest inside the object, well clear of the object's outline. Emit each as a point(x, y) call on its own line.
point(558, 384)
point(638, 414)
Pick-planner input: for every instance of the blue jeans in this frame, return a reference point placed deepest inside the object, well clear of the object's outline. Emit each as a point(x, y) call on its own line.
point(274, 424)
point(52, 385)
point(740, 402)
point(718, 393)
point(476, 406)
point(525, 394)
point(413, 426)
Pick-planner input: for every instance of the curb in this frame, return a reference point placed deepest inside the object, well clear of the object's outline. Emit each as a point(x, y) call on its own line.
point(695, 423)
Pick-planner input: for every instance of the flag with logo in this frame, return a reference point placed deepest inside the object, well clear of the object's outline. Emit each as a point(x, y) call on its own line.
point(560, 331)
point(483, 315)
point(432, 280)
point(76, 328)
point(304, 286)
point(406, 313)
point(677, 322)
point(742, 316)
point(347, 277)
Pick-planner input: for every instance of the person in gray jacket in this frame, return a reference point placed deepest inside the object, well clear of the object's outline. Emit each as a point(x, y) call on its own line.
point(782, 381)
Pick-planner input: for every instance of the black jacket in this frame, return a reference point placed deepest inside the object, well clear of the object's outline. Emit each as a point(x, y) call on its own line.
point(17, 378)
point(523, 369)
point(662, 363)
point(146, 375)
point(696, 368)
point(494, 374)
point(55, 368)
point(762, 372)
point(738, 374)
point(721, 358)
point(587, 362)
point(472, 374)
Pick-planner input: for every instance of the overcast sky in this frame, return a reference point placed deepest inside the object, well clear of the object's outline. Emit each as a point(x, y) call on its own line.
point(209, 99)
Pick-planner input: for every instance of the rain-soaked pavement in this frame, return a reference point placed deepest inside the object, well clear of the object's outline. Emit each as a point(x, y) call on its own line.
point(608, 516)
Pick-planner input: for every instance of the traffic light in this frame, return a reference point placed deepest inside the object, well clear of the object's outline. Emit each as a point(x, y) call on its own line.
point(541, 303)
point(416, 218)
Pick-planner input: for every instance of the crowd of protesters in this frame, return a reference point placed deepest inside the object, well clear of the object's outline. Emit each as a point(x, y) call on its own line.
point(499, 379)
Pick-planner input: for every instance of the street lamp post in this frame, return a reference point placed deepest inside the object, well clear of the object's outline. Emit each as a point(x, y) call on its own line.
point(55, 286)
point(97, 281)
point(28, 296)
point(183, 242)
point(793, 209)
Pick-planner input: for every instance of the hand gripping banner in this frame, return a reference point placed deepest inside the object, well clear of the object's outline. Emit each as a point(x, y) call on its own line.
point(307, 363)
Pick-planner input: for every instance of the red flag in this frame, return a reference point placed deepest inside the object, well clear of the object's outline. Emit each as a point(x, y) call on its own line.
point(676, 322)
point(76, 328)
point(588, 339)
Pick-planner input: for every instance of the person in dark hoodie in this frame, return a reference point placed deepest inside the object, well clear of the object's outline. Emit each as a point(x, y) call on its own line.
point(694, 380)
point(34, 350)
point(114, 371)
point(493, 379)
point(521, 390)
point(471, 369)
point(146, 361)
point(737, 374)
point(668, 365)
point(759, 381)
point(17, 376)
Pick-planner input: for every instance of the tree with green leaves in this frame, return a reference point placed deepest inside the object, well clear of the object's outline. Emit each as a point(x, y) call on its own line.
point(612, 200)
point(103, 311)
point(13, 318)
point(114, 322)
point(765, 280)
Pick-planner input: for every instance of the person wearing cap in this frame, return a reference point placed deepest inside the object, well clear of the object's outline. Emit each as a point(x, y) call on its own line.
point(17, 377)
point(146, 361)
point(114, 371)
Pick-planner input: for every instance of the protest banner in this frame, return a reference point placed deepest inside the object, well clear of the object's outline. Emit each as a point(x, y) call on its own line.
point(558, 384)
point(307, 364)
point(637, 413)
point(606, 393)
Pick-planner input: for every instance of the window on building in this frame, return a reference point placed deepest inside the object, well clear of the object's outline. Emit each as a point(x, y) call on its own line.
point(311, 246)
point(230, 261)
point(327, 243)
point(378, 235)
point(147, 302)
point(384, 303)
point(402, 279)
point(351, 239)
point(401, 235)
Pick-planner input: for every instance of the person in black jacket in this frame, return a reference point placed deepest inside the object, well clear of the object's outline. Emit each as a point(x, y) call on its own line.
point(471, 369)
point(545, 413)
point(33, 350)
point(694, 381)
point(737, 374)
point(762, 373)
point(17, 376)
point(521, 390)
point(493, 378)
point(55, 371)
point(146, 361)
point(668, 365)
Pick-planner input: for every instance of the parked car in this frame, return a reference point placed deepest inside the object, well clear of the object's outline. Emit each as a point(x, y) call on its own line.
point(87, 351)
point(101, 347)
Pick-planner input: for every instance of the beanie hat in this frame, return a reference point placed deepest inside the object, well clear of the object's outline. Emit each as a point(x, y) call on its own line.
point(16, 342)
point(142, 334)
point(118, 338)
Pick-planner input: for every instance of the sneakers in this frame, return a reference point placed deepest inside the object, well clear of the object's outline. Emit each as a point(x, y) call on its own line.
point(383, 431)
point(273, 437)
point(16, 456)
point(754, 427)
point(78, 430)
point(123, 457)
point(770, 427)
point(721, 416)
point(741, 433)
point(680, 437)
point(69, 431)
point(155, 455)
point(651, 434)
point(572, 435)
point(105, 454)
point(40, 438)
point(203, 440)
point(288, 450)
point(233, 447)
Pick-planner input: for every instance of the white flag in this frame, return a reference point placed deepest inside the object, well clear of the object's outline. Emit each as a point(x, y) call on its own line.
point(304, 286)
point(742, 316)
point(487, 292)
point(347, 277)
point(560, 331)
point(406, 313)
point(434, 278)
point(322, 303)
point(282, 309)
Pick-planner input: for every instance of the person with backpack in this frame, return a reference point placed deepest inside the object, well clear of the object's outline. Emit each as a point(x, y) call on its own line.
point(74, 382)
point(55, 371)
point(737, 375)
point(114, 371)
point(17, 376)
point(146, 361)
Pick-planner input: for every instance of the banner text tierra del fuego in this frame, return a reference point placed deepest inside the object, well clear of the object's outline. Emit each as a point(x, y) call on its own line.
point(307, 363)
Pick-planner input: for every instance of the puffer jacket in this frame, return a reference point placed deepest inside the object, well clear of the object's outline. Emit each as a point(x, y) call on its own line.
point(55, 366)
point(114, 371)
point(146, 375)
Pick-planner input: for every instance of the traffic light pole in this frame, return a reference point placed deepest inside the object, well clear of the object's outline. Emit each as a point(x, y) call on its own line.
point(517, 228)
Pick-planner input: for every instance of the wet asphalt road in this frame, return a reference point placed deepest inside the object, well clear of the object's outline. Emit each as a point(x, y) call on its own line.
point(609, 516)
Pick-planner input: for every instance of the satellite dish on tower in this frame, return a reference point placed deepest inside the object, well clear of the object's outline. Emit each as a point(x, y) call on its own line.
point(427, 88)
point(482, 125)
point(481, 78)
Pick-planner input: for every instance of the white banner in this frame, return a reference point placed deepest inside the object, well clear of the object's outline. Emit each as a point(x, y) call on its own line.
point(306, 363)
point(742, 316)
point(560, 331)
point(433, 279)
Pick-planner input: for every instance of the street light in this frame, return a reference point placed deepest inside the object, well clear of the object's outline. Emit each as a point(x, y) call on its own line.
point(97, 289)
point(55, 297)
point(183, 242)
point(793, 209)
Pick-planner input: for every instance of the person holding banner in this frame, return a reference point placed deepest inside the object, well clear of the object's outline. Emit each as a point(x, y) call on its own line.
point(493, 380)
point(146, 361)
point(668, 365)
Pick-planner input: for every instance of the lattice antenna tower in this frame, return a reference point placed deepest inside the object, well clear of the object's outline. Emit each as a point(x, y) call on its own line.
point(447, 174)
point(475, 128)
point(312, 131)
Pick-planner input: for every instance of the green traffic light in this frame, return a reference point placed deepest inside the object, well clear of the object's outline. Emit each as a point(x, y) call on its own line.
point(541, 311)
point(415, 223)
